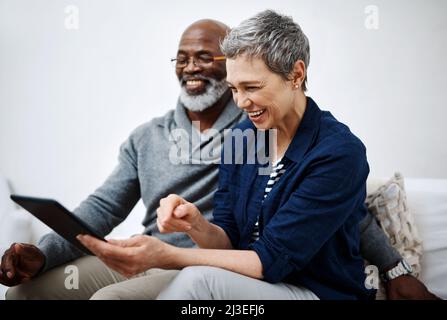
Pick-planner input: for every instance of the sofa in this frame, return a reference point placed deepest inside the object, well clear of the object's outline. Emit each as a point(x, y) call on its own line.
point(427, 201)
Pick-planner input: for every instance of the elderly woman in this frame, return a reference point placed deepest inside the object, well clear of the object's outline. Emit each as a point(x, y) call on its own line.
point(292, 234)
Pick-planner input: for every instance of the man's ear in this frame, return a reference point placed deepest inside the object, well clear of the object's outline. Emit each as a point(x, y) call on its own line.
point(298, 73)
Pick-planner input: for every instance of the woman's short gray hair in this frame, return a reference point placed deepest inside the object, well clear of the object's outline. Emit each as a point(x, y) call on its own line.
point(274, 38)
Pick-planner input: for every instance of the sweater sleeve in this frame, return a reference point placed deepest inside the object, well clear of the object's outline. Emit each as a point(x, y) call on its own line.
point(375, 246)
point(103, 210)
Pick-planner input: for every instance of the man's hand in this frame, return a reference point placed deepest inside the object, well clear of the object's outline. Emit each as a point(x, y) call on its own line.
point(131, 256)
point(175, 214)
point(407, 287)
point(20, 263)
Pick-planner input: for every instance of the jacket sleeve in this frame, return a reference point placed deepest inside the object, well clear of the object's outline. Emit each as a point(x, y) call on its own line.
point(103, 210)
point(223, 214)
point(333, 189)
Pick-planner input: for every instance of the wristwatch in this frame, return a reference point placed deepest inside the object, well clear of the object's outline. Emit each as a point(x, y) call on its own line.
point(403, 267)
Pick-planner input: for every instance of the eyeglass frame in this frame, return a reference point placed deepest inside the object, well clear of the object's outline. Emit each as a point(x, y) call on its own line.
point(174, 61)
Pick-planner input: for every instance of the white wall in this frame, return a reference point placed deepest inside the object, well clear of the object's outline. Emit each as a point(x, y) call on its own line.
point(68, 98)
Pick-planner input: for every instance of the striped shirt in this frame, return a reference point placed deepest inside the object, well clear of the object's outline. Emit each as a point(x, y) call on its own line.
point(277, 171)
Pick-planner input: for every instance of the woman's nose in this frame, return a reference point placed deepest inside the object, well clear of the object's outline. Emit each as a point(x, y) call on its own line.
point(242, 101)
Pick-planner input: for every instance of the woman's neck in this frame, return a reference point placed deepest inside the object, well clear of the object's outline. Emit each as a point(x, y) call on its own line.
point(287, 129)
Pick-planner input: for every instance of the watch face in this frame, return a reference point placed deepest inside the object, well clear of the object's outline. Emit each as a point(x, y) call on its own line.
point(407, 266)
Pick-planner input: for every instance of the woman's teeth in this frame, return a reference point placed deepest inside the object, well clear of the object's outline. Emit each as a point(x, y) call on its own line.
point(255, 113)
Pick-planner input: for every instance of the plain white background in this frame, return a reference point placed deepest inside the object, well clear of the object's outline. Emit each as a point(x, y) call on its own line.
point(70, 97)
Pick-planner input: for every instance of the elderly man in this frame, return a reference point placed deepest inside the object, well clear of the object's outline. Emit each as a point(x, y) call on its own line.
point(144, 171)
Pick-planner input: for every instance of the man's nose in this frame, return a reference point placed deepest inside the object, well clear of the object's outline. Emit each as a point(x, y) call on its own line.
point(191, 66)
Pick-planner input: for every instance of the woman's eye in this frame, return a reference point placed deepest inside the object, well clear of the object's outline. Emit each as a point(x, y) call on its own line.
point(252, 88)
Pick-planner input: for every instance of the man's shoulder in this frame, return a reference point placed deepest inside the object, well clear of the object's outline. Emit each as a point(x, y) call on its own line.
point(153, 124)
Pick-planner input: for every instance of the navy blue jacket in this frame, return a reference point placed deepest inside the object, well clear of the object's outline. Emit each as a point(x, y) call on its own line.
point(309, 233)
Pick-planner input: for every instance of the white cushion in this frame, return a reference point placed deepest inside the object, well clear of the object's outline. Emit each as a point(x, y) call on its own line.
point(6, 204)
point(15, 225)
point(427, 198)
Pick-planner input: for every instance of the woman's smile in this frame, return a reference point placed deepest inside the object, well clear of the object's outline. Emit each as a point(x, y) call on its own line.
point(257, 115)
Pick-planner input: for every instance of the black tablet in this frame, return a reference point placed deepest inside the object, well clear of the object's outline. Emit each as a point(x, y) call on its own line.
point(58, 218)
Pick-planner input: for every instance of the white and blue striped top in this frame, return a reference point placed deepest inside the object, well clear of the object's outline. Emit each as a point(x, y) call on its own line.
point(277, 171)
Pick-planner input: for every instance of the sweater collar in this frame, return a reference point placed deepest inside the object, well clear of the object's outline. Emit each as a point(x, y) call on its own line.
point(225, 121)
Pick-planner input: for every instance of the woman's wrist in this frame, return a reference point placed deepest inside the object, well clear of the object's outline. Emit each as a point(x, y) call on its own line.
point(199, 228)
point(170, 257)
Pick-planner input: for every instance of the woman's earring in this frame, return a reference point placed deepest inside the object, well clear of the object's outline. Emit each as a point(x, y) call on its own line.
point(297, 86)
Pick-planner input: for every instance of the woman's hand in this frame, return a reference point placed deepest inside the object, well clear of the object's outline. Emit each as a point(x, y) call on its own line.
point(131, 256)
point(175, 214)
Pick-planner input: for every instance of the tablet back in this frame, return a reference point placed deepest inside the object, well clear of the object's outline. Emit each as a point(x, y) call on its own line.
point(58, 218)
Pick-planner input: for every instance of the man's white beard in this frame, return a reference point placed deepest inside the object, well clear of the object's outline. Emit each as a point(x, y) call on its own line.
point(203, 101)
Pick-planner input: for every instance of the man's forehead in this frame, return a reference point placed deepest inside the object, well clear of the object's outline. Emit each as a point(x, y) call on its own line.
point(200, 36)
point(198, 44)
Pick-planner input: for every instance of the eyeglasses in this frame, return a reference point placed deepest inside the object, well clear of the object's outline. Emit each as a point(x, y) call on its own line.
point(204, 60)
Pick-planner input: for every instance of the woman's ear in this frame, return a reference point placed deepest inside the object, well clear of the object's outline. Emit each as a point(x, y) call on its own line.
point(298, 74)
